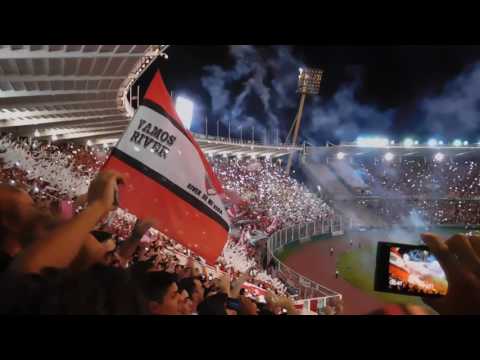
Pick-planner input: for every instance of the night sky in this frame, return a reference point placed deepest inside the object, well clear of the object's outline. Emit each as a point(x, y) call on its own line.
point(397, 91)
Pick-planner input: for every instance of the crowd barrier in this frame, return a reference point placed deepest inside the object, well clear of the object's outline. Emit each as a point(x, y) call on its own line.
point(311, 294)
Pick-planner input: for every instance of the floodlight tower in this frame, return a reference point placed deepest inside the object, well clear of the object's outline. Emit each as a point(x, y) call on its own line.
point(308, 84)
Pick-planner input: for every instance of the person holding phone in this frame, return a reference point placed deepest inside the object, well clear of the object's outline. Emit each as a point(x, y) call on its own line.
point(459, 256)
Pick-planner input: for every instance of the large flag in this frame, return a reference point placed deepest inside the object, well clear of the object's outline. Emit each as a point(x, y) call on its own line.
point(169, 178)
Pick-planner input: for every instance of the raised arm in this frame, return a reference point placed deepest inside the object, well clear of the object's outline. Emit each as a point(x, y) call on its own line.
point(60, 247)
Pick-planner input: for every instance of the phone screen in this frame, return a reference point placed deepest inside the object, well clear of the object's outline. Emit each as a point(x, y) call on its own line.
point(409, 270)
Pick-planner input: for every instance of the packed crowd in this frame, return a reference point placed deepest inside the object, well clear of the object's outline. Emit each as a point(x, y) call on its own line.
point(91, 258)
point(57, 176)
point(440, 192)
point(262, 198)
point(73, 266)
point(273, 199)
point(421, 177)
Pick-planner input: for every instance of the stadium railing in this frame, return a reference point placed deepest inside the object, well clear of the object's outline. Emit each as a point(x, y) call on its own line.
point(312, 294)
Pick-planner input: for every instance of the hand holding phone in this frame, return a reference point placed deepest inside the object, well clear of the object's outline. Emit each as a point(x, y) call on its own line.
point(460, 258)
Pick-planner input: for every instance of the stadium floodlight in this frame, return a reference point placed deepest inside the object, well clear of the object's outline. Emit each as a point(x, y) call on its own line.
point(416, 142)
point(184, 108)
point(340, 155)
point(309, 81)
point(439, 157)
point(392, 142)
point(457, 142)
point(407, 142)
point(465, 143)
point(432, 142)
point(440, 142)
point(389, 156)
point(372, 141)
point(54, 137)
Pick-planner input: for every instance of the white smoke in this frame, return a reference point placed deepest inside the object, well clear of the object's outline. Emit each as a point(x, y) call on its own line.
point(455, 111)
point(251, 71)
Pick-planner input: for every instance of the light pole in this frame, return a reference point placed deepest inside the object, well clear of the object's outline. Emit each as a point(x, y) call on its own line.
point(229, 139)
point(308, 83)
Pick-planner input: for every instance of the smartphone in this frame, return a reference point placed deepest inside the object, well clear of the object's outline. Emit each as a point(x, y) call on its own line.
point(233, 304)
point(409, 270)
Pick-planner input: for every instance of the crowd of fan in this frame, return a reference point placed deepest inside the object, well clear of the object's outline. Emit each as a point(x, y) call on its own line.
point(272, 195)
point(440, 192)
point(57, 176)
point(86, 258)
point(265, 199)
point(51, 265)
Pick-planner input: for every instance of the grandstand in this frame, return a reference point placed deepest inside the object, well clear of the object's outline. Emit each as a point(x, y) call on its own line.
point(63, 102)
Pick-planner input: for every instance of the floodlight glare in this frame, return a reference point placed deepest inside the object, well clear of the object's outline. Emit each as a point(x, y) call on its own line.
point(372, 141)
point(439, 157)
point(457, 142)
point(440, 142)
point(340, 155)
point(408, 142)
point(432, 142)
point(465, 143)
point(184, 108)
point(389, 156)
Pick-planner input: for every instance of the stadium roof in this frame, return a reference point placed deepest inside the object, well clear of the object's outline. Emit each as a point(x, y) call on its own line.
point(80, 92)
point(223, 147)
point(70, 91)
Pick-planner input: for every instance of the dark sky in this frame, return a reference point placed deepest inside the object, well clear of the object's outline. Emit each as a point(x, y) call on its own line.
point(364, 90)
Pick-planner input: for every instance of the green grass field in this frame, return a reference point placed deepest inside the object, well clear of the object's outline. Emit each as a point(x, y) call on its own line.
point(353, 270)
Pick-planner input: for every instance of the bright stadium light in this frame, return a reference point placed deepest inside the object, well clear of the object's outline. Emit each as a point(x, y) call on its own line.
point(440, 142)
point(465, 143)
point(372, 141)
point(439, 157)
point(416, 142)
point(184, 108)
point(432, 142)
point(340, 155)
point(392, 142)
point(457, 142)
point(408, 142)
point(389, 156)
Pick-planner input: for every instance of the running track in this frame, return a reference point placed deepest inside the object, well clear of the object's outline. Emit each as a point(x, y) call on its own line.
point(313, 260)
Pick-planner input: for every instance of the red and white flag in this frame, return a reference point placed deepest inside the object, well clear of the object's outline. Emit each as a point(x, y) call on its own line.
point(169, 178)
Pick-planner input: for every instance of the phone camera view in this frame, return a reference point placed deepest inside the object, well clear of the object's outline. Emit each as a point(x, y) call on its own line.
point(415, 271)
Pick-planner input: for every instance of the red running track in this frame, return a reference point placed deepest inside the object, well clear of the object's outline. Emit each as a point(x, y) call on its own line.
point(313, 260)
